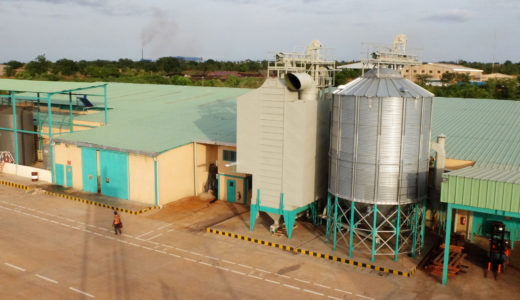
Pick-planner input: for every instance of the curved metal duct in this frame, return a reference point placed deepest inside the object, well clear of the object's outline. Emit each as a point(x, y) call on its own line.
point(298, 81)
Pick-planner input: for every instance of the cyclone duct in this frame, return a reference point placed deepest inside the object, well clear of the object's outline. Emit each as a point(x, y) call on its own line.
point(379, 152)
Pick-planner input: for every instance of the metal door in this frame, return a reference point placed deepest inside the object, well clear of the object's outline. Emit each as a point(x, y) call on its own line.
point(89, 170)
point(231, 190)
point(59, 171)
point(114, 173)
point(69, 176)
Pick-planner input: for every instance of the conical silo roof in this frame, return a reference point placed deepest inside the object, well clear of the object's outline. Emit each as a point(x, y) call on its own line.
point(382, 83)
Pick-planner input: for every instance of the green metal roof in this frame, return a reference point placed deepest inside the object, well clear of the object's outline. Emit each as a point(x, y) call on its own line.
point(45, 87)
point(488, 188)
point(151, 119)
point(481, 130)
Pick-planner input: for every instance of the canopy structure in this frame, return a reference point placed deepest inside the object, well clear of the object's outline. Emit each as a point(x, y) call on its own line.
point(43, 92)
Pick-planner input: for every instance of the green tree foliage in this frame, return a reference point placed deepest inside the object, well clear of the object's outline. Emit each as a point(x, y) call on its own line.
point(65, 67)
point(346, 75)
point(38, 66)
point(11, 67)
point(169, 65)
point(422, 79)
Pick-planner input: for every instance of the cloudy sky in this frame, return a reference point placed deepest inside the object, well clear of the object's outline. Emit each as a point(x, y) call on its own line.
point(474, 30)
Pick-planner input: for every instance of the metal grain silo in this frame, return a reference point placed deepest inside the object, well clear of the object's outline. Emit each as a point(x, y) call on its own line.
point(379, 153)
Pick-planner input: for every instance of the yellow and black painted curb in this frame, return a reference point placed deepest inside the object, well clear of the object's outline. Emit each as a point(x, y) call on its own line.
point(128, 211)
point(312, 253)
point(15, 185)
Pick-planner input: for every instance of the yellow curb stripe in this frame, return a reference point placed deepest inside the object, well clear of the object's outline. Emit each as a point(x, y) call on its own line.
point(312, 253)
point(15, 185)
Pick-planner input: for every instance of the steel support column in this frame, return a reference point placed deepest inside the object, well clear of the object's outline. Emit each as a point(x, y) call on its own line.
point(106, 109)
point(335, 223)
point(327, 231)
point(414, 229)
point(397, 227)
point(447, 245)
point(15, 132)
point(423, 224)
point(70, 113)
point(352, 226)
point(374, 233)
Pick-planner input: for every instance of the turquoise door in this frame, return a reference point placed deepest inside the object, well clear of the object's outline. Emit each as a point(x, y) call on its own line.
point(114, 173)
point(69, 175)
point(231, 190)
point(59, 171)
point(89, 170)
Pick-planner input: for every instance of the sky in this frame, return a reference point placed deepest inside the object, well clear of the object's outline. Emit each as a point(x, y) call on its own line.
point(441, 30)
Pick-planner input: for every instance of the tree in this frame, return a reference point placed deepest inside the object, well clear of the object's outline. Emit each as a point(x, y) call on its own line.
point(65, 67)
point(422, 79)
point(38, 66)
point(12, 66)
point(169, 65)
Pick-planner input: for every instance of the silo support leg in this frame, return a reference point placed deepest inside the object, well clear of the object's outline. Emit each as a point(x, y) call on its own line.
point(329, 215)
point(335, 223)
point(423, 224)
point(447, 246)
point(352, 226)
point(414, 229)
point(253, 211)
point(289, 219)
point(396, 252)
point(374, 234)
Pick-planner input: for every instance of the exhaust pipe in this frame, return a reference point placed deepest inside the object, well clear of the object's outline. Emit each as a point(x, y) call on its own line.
point(298, 81)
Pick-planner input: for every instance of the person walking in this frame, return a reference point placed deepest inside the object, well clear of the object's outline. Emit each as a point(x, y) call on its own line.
point(117, 223)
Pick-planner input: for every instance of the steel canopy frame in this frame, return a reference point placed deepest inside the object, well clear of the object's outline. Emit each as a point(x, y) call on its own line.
point(13, 97)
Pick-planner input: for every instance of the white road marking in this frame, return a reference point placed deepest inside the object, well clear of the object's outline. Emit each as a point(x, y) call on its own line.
point(174, 255)
point(237, 272)
point(253, 276)
point(321, 285)
point(229, 262)
point(160, 251)
point(143, 234)
point(147, 248)
point(195, 253)
point(189, 259)
point(167, 246)
point(364, 297)
point(335, 298)
point(222, 268)
point(312, 292)
point(155, 236)
point(245, 266)
point(262, 270)
point(134, 244)
point(81, 292)
point(271, 281)
point(211, 257)
point(15, 267)
point(103, 229)
point(205, 263)
point(301, 280)
point(182, 250)
point(342, 291)
point(284, 276)
point(291, 286)
point(46, 278)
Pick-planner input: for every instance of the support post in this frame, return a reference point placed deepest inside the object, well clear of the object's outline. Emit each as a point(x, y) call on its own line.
point(106, 108)
point(15, 128)
point(327, 231)
point(51, 151)
point(423, 224)
point(414, 229)
point(40, 139)
point(352, 226)
point(374, 233)
point(155, 181)
point(447, 245)
point(218, 187)
point(70, 113)
point(397, 228)
point(335, 223)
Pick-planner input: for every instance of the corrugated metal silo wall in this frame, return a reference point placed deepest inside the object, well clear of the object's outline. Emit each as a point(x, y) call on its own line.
point(380, 149)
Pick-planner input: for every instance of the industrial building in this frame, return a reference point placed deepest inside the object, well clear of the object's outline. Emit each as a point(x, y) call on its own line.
point(268, 148)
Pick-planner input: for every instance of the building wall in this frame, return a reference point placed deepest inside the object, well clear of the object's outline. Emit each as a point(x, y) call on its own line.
point(228, 173)
point(436, 71)
point(175, 174)
point(70, 155)
point(141, 178)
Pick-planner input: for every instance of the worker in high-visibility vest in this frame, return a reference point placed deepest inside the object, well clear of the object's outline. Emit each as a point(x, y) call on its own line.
point(117, 223)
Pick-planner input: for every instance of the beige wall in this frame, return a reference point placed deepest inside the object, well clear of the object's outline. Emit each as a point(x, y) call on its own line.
point(176, 174)
point(230, 170)
point(455, 164)
point(141, 178)
point(435, 71)
point(66, 155)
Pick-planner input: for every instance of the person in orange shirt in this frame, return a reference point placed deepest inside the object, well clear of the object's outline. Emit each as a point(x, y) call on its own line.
point(117, 223)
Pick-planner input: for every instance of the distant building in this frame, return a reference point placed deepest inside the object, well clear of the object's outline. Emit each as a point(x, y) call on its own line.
point(486, 77)
point(435, 70)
